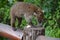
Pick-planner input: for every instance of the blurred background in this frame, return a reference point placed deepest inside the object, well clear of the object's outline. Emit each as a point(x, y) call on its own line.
point(51, 15)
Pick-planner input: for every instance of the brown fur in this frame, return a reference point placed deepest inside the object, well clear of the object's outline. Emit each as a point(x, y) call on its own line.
point(24, 9)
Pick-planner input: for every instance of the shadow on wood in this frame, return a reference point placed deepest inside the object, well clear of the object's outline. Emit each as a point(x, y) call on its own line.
point(6, 31)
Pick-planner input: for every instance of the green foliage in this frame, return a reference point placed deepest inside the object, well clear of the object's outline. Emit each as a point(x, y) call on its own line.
point(2, 38)
point(51, 15)
point(52, 32)
point(5, 11)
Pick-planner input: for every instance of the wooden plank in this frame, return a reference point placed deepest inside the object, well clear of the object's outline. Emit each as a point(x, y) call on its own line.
point(6, 31)
point(8, 36)
point(41, 37)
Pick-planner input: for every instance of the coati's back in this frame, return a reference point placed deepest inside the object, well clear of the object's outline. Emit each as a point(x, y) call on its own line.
point(27, 10)
point(21, 8)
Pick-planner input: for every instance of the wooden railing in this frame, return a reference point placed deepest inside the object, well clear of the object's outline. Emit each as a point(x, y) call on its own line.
point(7, 32)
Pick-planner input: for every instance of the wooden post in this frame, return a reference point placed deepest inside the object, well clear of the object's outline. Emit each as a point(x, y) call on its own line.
point(33, 32)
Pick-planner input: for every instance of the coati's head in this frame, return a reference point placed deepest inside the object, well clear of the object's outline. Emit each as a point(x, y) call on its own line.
point(39, 14)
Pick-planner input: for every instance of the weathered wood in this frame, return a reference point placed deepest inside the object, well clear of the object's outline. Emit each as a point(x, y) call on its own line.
point(6, 31)
point(8, 36)
point(41, 37)
point(32, 32)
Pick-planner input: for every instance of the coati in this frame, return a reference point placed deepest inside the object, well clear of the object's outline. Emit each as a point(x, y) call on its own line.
point(27, 10)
